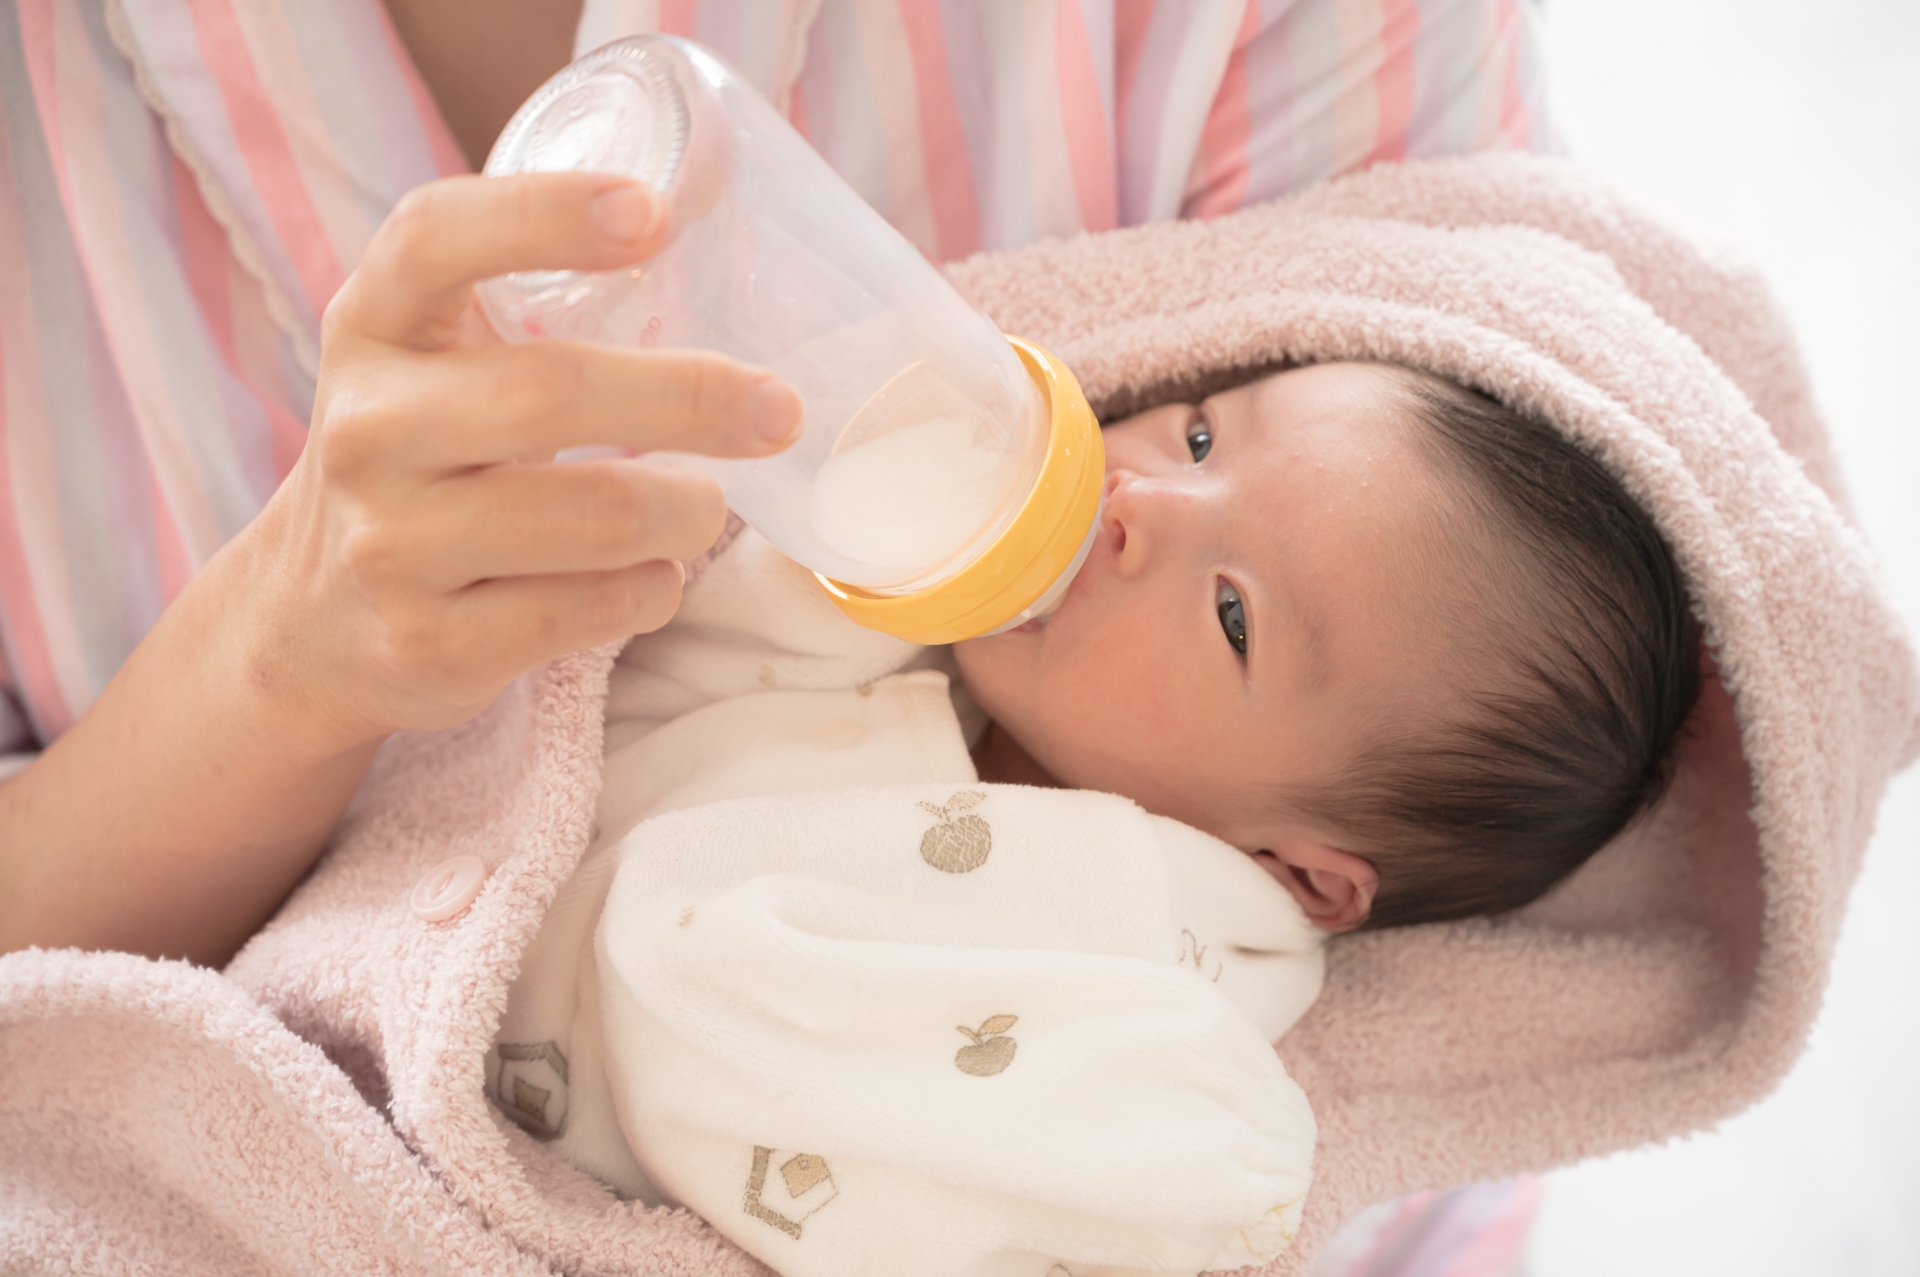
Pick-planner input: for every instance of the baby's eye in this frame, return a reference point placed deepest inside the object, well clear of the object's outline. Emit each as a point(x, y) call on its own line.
point(1199, 439)
point(1233, 616)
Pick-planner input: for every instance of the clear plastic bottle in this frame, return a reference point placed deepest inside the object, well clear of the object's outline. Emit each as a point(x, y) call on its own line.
point(948, 477)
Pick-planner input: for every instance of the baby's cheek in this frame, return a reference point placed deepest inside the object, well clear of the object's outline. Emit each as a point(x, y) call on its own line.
point(987, 670)
point(1124, 730)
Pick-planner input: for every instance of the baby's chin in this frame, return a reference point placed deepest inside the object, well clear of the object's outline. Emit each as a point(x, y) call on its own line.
point(996, 674)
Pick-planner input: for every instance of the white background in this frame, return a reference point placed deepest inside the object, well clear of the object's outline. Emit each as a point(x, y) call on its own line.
point(1792, 127)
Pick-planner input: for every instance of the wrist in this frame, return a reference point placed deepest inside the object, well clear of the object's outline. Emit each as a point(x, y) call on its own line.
point(227, 776)
point(251, 632)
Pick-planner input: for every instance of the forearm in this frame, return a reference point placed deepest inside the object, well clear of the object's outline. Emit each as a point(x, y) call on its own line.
point(173, 818)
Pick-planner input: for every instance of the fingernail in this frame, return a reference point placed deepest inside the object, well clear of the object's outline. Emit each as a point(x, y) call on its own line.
point(625, 213)
point(776, 410)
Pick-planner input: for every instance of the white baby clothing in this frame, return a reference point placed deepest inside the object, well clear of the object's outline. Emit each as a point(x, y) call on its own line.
point(863, 1014)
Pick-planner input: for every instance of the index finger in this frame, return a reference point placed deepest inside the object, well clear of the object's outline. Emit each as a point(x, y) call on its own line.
point(457, 409)
point(415, 283)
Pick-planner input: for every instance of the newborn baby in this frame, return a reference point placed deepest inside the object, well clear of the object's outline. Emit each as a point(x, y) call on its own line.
point(1367, 649)
point(1417, 653)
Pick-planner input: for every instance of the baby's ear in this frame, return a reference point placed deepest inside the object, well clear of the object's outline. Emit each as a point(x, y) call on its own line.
point(1334, 887)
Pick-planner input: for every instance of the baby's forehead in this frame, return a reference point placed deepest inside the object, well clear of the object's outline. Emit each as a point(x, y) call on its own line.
point(1367, 416)
point(1417, 564)
point(1375, 403)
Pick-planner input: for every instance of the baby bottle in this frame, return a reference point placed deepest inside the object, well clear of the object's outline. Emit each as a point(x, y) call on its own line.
point(947, 479)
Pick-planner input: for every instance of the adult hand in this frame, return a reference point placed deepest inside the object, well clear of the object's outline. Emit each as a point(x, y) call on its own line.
point(426, 549)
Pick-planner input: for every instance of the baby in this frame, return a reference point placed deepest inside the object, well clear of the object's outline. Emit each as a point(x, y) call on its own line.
point(1367, 648)
point(1414, 652)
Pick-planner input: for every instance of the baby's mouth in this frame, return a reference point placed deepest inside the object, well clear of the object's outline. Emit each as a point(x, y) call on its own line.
point(1081, 569)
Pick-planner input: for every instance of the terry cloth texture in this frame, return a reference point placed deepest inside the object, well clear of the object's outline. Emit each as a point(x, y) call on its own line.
point(161, 1117)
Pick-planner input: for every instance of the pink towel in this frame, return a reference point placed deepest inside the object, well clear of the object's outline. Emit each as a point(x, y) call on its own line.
point(320, 1107)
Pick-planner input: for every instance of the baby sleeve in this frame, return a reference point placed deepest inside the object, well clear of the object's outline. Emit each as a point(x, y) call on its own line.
point(938, 1029)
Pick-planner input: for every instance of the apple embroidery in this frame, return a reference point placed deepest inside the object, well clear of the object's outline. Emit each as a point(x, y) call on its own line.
point(958, 844)
point(990, 1053)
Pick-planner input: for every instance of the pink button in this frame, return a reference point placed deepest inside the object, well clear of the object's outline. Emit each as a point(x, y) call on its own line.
point(448, 888)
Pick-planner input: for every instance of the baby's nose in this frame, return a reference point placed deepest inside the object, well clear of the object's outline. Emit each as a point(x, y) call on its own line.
point(1147, 517)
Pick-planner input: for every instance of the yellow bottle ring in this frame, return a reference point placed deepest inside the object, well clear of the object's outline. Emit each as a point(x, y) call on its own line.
point(1040, 543)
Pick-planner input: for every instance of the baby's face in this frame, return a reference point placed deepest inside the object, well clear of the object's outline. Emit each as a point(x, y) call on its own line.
point(1262, 588)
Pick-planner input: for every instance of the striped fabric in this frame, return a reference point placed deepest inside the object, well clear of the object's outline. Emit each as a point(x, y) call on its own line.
point(168, 239)
point(987, 125)
point(1479, 1230)
point(185, 183)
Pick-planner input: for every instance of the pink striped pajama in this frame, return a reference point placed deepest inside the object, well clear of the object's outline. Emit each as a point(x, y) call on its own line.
point(185, 183)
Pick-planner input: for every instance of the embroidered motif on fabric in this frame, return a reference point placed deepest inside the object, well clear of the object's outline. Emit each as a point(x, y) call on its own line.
point(1194, 954)
point(532, 1087)
point(804, 1185)
point(959, 843)
point(528, 1098)
point(991, 1052)
point(803, 1172)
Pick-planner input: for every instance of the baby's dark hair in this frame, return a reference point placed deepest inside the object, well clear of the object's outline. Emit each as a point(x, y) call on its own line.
point(1587, 673)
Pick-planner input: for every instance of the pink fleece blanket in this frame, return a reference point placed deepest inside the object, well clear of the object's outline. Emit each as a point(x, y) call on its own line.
point(319, 1106)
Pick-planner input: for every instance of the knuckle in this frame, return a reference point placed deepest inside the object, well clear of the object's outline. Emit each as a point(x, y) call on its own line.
point(355, 431)
point(334, 320)
point(537, 381)
point(347, 442)
point(369, 558)
point(606, 603)
point(415, 644)
point(413, 238)
point(523, 212)
point(616, 511)
point(709, 386)
point(409, 228)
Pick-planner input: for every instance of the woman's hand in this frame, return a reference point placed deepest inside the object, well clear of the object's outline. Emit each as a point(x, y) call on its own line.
point(424, 551)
